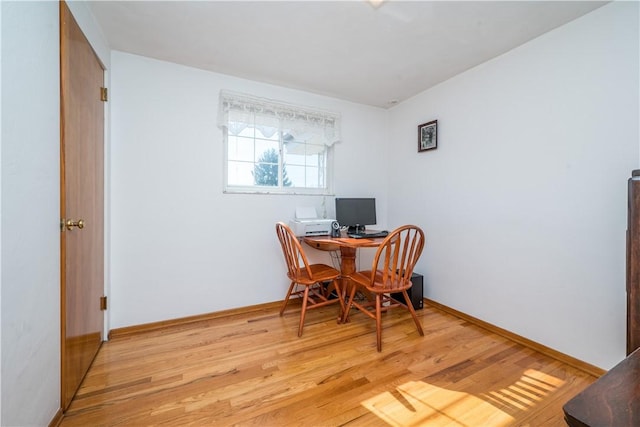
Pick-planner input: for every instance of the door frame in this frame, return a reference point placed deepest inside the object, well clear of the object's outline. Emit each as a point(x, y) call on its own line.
point(84, 22)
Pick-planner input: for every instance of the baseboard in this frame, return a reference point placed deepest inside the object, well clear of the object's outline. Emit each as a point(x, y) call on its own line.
point(146, 327)
point(564, 358)
point(57, 419)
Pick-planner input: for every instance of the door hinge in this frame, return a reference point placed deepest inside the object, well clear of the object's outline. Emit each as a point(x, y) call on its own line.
point(103, 94)
point(103, 303)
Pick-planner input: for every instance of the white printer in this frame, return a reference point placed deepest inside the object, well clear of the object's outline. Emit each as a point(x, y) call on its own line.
point(307, 223)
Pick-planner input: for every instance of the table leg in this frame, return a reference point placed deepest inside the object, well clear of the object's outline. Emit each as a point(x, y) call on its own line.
point(347, 268)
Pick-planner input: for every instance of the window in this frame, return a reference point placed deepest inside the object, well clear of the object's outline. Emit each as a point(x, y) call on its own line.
point(272, 147)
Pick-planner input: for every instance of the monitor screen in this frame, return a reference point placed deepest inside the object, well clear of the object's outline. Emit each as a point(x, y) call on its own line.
point(355, 211)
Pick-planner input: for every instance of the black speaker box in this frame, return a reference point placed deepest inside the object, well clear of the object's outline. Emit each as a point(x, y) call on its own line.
point(414, 292)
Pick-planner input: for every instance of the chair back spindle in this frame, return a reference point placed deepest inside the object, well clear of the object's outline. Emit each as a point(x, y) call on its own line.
point(295, 257)
point(402, 249)
point(390, 275)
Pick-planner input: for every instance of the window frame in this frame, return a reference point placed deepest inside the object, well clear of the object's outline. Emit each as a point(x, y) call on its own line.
point(252, 111)
point(280, 189)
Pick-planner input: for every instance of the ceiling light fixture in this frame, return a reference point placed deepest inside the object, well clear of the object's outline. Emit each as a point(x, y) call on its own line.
point(375, 3)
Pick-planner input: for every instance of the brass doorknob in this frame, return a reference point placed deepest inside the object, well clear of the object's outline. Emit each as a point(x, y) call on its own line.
point(71, 223)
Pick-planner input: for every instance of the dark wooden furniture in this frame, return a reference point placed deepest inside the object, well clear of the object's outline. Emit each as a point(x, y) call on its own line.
point(633, 263)
point(613, 400)
point(307, 280)
point(390, 273)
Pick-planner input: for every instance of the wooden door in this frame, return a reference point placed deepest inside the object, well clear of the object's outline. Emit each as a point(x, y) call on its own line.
point(633, 262)
point(82, 204)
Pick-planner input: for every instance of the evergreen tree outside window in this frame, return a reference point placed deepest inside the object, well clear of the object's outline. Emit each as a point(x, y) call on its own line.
point(276, 148)
point(265, 172)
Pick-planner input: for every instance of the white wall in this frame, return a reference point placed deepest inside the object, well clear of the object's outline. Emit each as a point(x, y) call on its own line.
point(524, 200)
point(30, 213)
point(0, 218)
point(181, 247)
point(30, 198)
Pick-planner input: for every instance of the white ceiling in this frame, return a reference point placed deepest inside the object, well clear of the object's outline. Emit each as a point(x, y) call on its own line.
point(343, 49)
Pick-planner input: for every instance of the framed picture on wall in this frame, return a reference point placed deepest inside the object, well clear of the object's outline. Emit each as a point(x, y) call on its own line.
point(428, 136)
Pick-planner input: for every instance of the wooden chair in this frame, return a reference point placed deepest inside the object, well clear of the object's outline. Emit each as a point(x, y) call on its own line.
point(307, 280)
point(390, 273)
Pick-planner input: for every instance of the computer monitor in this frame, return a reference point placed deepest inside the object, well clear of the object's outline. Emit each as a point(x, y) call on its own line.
point(355, 213)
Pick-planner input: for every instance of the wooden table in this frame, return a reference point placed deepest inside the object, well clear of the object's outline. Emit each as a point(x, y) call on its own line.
point(347, 247)
point(613, 400)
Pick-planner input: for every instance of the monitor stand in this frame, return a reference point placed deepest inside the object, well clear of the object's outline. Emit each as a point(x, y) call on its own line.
point(356, 229)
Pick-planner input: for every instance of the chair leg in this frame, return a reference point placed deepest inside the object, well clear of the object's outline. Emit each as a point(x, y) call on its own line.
point(340, 299)
point(379, 321)
point(413, 313)
point(286, 300)
point(347, 308)
point(304, 310)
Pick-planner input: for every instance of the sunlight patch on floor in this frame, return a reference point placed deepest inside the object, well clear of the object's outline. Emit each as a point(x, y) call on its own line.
point(418, 403)
point(529, 390)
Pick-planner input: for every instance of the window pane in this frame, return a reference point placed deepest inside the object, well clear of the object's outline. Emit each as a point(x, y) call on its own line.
point(292, 159)
point(316, 149)
point(267, 151)
point(315, 178)
point(296, 175)
point(294, 148)
point(239, 173)
point(304, 164)
point(241, 148)
point(266, 174)
point(316, 160)
point(301, 148)
point(303, 154)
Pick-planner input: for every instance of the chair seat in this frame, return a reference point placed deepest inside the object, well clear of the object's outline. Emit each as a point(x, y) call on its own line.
point(363, 278)
point(319, 273)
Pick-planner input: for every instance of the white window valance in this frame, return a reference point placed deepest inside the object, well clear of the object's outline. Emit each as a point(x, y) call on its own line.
point(236, 111)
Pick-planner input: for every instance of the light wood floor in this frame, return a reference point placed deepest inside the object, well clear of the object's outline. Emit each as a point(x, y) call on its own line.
point(250, 368)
